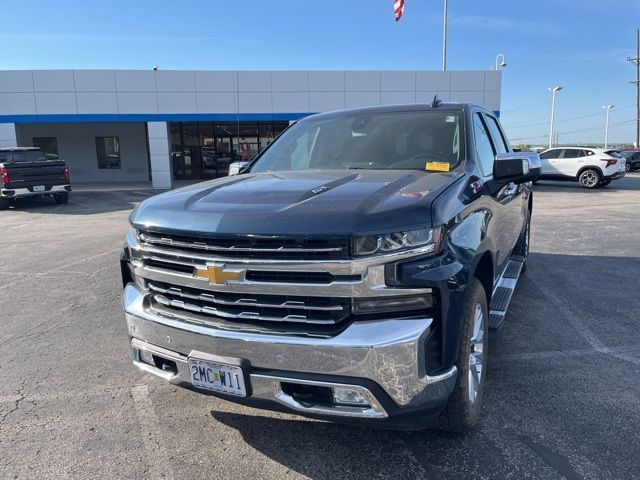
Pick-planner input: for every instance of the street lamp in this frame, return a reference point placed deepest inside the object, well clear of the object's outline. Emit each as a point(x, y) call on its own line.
point(606, 124)
point(503, 63)
point(553, 91)
point(444, 37)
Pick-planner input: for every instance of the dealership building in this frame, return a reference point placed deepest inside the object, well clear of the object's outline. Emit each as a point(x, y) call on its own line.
point(161, 125)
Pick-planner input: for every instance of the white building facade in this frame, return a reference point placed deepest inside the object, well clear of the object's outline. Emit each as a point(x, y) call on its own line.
point(160, 125)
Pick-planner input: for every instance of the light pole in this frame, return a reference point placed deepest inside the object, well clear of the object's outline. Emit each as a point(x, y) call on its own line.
point(444, 38)
point(606, 124)
point(503, 63)
point(553, 91)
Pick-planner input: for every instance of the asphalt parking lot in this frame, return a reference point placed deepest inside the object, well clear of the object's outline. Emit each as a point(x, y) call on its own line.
point(563, 396)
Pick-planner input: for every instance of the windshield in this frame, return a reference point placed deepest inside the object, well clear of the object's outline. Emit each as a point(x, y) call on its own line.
point(425, 140)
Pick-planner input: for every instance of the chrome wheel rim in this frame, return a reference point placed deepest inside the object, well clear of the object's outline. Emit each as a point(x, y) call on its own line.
point(589, 179)
point(476, 355)
point(627, 167)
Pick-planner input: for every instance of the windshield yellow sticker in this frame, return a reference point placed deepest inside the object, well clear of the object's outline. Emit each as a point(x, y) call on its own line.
point(437, 166)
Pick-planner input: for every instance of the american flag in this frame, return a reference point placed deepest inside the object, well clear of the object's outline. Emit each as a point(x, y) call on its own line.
point(398, 8)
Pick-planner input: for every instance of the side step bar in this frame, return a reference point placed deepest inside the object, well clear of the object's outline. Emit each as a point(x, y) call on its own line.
point(503, 292)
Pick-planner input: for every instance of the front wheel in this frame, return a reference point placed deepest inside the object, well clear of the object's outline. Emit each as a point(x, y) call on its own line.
point(4, 203)
point(464, 406)
point(589, 178)
point(627, 167)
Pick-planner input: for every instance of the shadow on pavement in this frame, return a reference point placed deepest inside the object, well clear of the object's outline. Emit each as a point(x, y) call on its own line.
point(327, 450)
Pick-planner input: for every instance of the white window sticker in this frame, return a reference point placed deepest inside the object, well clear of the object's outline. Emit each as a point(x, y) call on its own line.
point(450, 119)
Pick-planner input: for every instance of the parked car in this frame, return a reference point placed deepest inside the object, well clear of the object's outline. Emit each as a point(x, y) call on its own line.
point(632, 158)
point(27, 172)
point(351, 272)
point(592, 167)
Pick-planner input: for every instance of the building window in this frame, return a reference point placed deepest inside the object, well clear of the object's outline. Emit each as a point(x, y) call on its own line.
point(205, 149)
point(48, 145)
point(108, 150)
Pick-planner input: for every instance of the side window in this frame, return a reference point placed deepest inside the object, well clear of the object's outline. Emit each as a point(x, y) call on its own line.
point(553, 153)
point(498, 138)
point(572, 153)
point(484, 149)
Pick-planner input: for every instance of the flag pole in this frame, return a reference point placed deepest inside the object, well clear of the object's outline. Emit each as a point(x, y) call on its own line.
point(444, 38)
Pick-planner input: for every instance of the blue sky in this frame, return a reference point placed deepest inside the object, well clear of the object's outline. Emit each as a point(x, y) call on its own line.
point(580, 44)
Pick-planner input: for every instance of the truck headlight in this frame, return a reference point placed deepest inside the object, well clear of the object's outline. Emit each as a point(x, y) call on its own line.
point(429, 238)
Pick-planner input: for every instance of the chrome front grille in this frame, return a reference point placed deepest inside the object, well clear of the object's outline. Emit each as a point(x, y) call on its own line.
point(261, 284)
point(253, 246)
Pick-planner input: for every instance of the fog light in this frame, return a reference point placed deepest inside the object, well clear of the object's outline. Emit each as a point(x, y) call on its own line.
point(146, 357)
point(348, 396)
point(391, 304)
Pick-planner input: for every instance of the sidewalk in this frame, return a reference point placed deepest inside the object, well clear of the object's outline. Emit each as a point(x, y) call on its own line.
point(124, 186)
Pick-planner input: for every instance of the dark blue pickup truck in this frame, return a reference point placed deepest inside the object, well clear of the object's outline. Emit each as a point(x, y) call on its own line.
point(351, 272)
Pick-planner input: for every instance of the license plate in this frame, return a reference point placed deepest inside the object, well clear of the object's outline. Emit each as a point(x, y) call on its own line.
point(217, 377)
point(38, 188)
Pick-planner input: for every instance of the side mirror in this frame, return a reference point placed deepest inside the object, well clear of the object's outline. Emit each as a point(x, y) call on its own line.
point(236, 167)
point(516, 167)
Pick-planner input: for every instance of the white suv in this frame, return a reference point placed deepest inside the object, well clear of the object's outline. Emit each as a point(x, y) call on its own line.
point(592, 167)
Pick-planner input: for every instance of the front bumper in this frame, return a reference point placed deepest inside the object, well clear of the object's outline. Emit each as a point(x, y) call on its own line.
point(384, 360)
point(28, 191)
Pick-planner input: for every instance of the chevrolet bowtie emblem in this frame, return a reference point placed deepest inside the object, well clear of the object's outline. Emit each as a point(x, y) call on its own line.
point(219, 275)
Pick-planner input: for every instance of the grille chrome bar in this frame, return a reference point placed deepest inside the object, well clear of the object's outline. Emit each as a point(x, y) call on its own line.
point(244, 302)
point(217, 312)
point(172, 242)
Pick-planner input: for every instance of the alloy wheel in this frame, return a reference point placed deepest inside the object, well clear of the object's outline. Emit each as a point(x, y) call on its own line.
point(476, 356)
point(589, 179)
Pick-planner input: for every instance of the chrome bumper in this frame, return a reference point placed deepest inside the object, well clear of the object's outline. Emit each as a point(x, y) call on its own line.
point(390, 353)
point(25, 192)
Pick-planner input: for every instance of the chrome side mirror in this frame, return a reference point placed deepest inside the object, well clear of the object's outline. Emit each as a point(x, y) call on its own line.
point(235, 167)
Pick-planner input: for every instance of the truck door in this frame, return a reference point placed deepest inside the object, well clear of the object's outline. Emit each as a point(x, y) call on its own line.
point(506, 201)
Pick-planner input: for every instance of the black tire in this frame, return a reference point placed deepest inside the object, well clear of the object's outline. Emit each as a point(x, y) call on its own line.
point(604, 183)
point(627, 167)
point(590, 178)
point(61, 197)
point(463, 409)
point(4, 203)
point(522, 247)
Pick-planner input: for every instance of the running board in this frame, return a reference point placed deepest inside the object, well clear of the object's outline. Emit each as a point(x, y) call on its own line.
point(503, 292)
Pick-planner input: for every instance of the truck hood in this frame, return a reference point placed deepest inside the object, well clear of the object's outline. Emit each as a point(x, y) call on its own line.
point(328, 202)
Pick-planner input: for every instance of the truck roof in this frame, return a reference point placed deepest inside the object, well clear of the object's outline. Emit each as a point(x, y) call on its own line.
point(18, 149)
point(447, 106)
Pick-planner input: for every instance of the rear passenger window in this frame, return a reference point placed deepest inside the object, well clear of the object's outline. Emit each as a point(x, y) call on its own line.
point(555, 153)
point(485, 153)
point(572, 153)
point(498, 139)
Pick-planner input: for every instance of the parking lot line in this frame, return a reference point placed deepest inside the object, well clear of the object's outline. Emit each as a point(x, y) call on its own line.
point(567, 312)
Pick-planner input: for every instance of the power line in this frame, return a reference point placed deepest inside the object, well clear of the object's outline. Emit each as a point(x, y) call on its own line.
point(582, 130)
point(629, 105)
